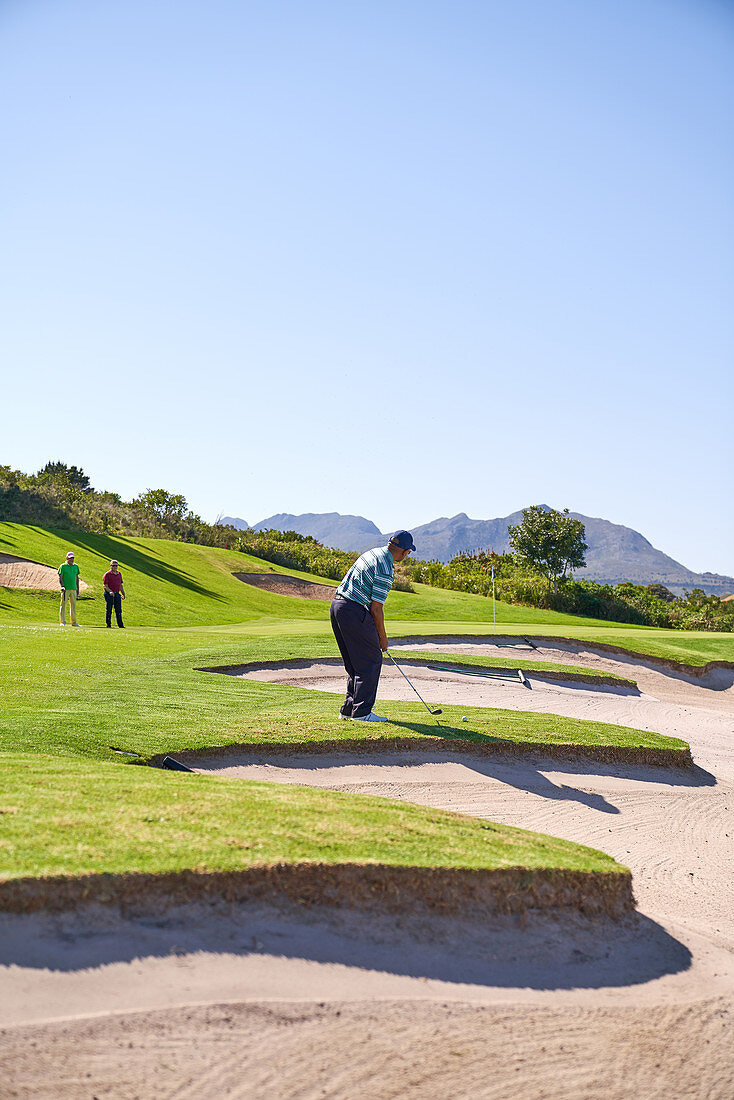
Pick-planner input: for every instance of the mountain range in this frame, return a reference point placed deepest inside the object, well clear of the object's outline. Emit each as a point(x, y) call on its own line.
point(615, 553)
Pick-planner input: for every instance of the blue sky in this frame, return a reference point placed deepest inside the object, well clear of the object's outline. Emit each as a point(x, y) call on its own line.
point(399, 259)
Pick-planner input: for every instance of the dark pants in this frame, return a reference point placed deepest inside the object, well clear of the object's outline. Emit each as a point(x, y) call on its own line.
point(113, 599)
point(356, 635)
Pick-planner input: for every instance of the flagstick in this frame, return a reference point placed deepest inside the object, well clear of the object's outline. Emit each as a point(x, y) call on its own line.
point(494, 611)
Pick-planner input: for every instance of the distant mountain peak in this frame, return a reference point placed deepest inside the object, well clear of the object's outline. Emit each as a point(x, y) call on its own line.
point(616, 553)
point(233, 521)
point(330, 528)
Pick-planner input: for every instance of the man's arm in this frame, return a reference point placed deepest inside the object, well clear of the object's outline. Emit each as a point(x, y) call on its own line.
point(378, 614)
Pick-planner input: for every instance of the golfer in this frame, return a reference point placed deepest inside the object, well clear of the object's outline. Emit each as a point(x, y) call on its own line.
point(358, 623)
point(69, 581)
point(114, 593)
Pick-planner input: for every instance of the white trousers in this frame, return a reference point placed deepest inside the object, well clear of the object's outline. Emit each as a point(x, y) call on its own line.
point(70, 594)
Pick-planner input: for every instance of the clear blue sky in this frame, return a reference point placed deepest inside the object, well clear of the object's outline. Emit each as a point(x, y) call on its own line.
point(399, 259)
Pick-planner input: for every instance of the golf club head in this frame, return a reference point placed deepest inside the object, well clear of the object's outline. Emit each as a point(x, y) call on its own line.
point(439, 711)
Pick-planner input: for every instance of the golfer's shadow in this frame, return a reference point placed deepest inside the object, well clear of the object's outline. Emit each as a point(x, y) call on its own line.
point(521, 773)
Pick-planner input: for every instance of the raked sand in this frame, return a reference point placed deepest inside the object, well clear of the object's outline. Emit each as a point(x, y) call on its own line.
point(280, 1002)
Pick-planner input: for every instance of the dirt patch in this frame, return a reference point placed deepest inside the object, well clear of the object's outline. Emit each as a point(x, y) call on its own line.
point(285, 585)
point(368, 887)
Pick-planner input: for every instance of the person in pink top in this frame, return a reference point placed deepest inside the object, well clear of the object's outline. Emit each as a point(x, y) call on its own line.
point(114, 592)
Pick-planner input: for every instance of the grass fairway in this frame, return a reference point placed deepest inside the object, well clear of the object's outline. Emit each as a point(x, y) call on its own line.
point(85, 693)
point(74, 699)
point(179, 585)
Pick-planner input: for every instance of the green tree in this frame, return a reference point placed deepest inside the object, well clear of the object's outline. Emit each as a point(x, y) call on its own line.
point(74, 475)
point(550, 541)
point(166, 506)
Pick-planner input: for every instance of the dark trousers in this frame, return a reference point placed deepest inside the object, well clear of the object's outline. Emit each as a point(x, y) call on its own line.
point(113, 599)
point(356, 635)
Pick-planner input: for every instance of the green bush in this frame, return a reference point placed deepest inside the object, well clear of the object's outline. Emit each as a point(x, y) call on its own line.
point(515, 583)
point(304, 553)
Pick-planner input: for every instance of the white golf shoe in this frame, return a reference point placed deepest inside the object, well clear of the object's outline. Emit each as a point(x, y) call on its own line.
point(371, 717)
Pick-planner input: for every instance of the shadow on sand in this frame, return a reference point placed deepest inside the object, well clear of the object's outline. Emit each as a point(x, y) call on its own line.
point(542, 953)
point(533, 757)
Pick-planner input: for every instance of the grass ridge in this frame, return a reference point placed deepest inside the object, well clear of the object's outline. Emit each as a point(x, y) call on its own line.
point(638, 755)
point(368, 886)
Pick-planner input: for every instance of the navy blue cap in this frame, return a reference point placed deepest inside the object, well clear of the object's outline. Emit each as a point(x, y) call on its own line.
point(403, 539)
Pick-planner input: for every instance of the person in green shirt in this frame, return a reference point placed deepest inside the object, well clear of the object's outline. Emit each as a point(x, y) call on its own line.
point(69, 581)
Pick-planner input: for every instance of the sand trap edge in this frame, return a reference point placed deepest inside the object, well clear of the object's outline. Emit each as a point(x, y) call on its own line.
point(368, 887)
point(284, 584)
point(547, 675)
point(648, 659)
point(602, 754)
point(550, 676)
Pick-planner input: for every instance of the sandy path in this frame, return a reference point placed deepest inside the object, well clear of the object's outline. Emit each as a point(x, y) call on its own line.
point(285, 1003)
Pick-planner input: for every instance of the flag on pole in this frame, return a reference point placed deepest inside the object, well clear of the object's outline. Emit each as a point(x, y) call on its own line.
point(494, 610)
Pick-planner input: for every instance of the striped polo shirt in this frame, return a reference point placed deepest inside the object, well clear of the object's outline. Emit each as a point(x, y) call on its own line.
point(370, 578)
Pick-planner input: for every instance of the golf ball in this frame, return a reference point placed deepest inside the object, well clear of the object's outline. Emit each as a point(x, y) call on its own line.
point(464, 718)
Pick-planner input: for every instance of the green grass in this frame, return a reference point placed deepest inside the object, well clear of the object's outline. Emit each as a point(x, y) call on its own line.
point(84, 693)
point(166, 583)
point(179, 584)
point(70, 697)
point(692, 647)
point(63, 817)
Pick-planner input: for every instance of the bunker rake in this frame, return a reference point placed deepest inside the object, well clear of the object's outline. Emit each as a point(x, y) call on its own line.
point(486, 674)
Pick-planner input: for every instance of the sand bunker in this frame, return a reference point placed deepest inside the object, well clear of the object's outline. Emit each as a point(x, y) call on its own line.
point(285, 585)
point(673, 829)
point(23, 573)
point(261, 1001)
point(663, 679)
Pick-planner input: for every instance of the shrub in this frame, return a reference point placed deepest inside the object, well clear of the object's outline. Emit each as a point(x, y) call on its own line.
point(515, 582)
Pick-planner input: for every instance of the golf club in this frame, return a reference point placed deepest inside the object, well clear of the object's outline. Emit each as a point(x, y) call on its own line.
point(425, 704)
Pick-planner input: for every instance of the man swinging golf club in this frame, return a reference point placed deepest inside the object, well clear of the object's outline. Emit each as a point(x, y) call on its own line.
point(358, 622)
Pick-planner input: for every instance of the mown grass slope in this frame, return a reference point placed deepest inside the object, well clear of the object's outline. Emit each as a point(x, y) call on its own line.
point(181, 584)
point(172, 584)
point(62, 818)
